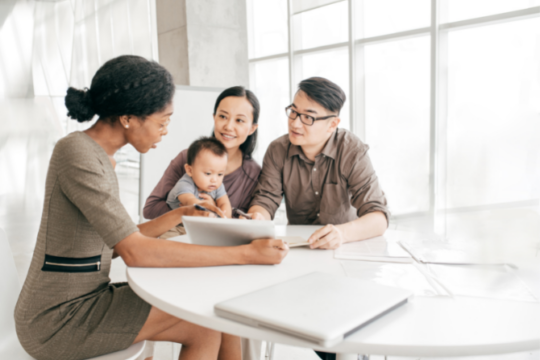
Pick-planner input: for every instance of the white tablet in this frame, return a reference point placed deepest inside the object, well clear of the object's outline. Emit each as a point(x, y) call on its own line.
point(226, 232)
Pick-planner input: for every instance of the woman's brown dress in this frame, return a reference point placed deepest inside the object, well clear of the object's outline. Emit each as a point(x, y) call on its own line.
point(68, 309)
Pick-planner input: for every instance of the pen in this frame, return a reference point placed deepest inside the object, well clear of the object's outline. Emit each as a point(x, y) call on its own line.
point(202, 208)
point(242, 213)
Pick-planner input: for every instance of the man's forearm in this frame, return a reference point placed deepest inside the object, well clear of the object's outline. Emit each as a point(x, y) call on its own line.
point(366, 227)
point(259, 209)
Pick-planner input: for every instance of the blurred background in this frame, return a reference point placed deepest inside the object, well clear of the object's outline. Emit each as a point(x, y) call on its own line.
point(445, 92)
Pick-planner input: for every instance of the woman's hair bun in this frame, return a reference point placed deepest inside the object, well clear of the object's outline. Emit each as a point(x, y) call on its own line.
point(79, 104)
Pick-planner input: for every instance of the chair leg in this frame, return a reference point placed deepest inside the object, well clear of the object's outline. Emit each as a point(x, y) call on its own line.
point(269, 353)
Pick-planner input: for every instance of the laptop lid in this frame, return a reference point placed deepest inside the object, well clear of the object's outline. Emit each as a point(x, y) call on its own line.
point(318, 307)
point(226, 232)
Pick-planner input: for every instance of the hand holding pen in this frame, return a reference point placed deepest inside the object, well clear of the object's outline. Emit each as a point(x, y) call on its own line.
point(252, 216)
point(241, 214)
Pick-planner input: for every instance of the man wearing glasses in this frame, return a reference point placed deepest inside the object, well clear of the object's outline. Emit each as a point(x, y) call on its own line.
point(323, 171)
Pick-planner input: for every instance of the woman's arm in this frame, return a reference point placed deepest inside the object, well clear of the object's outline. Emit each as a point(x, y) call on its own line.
point(162, 224)
point(225, 205)
point(156, 204)
point(138, 250)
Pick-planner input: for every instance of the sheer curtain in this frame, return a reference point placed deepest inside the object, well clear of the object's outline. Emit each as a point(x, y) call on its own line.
point(45, 47)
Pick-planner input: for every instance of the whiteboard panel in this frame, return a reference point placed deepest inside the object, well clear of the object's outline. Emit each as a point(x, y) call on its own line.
point(192, 118)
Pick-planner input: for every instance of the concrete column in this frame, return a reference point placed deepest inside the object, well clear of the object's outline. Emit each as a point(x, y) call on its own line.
point(172, 38)
point(204, 42)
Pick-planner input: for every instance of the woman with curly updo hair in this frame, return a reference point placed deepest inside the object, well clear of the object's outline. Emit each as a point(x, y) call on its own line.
point(68, 309)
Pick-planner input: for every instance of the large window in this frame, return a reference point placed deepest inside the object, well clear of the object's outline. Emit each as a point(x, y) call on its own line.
point(71, 41)
point(445, 92)
point(396, 112)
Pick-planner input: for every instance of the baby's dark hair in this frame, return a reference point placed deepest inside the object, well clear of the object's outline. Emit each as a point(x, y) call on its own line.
point(205, 143)
point(125, 85)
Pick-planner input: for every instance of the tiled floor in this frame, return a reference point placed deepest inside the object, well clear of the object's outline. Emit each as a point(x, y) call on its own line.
point(24, 158)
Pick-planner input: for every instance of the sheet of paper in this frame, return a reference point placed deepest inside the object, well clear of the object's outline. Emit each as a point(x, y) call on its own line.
point(497, 282)
point(377, 248)
point(299, 244)
point(405, 276)
point(294, 241)
point(458, 253)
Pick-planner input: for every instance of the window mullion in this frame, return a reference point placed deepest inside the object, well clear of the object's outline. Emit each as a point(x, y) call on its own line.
point(434, 82)
point(352, 64)
point(441, 115)
point(438, 116)
point(291, 49)
point(359, 79)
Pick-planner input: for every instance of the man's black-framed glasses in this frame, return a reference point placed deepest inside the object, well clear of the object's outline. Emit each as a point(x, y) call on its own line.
point(304, 118)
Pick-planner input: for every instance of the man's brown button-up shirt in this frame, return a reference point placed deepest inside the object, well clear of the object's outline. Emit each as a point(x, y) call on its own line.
point(338, 187)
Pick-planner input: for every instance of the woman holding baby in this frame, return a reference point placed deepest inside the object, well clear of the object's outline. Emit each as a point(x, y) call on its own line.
point(68, 309)
point(236, 115)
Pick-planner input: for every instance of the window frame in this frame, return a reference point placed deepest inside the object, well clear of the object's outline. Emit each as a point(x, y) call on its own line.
point(438, 34)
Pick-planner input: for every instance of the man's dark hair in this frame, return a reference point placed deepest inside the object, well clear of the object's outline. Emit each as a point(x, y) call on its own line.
point(205, 143)
point(324, 92)
point(125, 85)
point(239, 91)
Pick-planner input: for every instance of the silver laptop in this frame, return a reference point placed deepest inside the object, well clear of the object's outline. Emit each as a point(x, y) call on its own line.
point(226, 232)
point(317, 307)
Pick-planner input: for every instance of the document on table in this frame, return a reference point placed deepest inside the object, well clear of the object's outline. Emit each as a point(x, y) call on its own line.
point(405, 276)
point(429, 251)
point(496, 282)
point(376, 249)
point(295, 241)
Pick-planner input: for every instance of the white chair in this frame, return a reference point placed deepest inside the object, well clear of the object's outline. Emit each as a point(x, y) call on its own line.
point(10, 348)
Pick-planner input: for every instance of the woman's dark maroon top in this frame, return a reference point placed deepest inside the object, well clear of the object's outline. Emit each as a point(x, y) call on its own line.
point(239, 185)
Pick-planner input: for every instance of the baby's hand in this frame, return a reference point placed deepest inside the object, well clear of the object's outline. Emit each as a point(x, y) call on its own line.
point(207, 199)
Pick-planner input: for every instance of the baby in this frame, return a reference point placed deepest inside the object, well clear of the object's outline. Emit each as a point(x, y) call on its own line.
point(203, 180)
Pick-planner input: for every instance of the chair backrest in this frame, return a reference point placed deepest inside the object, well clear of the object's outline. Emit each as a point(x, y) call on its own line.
point(9, 287)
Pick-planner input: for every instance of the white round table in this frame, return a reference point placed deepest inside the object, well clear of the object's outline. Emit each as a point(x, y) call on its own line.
point(425, 326)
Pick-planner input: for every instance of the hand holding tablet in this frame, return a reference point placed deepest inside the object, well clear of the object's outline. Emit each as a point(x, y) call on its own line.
point(230, 232)
point(226, 232)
